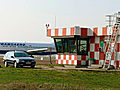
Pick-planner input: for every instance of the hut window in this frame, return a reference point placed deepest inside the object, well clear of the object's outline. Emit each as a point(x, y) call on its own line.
point(66, 45)
point(83, 46)
point(59, 47)
point(72, 46)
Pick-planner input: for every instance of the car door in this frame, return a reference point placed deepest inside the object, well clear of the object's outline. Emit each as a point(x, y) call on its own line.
point(11, 56)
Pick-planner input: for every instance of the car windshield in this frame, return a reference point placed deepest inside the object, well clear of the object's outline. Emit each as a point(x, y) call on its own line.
point(21, 55)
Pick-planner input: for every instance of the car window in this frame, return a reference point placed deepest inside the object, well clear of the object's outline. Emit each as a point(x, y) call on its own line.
point(21, 55)
point(6, 55)
point(9, 54)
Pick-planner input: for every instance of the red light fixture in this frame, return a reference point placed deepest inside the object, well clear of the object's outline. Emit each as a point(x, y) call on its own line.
point(47, 25)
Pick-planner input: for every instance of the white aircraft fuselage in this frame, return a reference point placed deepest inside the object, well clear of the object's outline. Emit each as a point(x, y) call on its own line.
point(11, 46)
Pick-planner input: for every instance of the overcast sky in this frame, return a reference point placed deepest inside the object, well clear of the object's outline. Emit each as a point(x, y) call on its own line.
point(24, 20)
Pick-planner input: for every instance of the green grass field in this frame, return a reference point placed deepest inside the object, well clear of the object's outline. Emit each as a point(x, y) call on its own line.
point(35, 79)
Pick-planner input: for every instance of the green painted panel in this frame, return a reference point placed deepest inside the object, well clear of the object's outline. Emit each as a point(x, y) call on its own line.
point(101, 43)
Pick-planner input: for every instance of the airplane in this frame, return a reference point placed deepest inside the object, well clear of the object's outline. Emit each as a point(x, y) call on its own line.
point(30, 48)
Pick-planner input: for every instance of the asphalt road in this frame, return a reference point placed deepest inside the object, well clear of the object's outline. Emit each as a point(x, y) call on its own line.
point(39, 60)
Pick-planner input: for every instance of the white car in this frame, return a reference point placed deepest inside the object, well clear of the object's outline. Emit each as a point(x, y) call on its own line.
point(18, 59)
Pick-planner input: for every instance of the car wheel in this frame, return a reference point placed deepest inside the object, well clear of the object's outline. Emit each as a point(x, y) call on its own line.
point(32, 66)
point(21, 66)
point(15, 64)
point(6, 64)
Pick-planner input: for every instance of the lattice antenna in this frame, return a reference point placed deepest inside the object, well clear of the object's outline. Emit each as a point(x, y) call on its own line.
point(110, 20)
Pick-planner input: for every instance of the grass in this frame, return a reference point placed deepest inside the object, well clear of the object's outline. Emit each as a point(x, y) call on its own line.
point(35, 79)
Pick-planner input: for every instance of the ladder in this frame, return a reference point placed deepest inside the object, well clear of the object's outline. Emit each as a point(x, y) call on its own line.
point(112, 41)
point(106, 40)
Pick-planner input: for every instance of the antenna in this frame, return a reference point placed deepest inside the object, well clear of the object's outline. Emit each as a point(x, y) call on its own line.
point(109, 20)
point(118, 17)
point(55, 21)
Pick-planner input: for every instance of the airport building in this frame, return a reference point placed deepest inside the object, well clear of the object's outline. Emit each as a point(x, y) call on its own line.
point(83, 46)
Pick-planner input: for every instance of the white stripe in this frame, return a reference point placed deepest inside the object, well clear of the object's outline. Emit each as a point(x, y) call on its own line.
point(87, 57)
point(77, 30)
point(62, 57)
point(64, 61)
point(100, 31)
point(118, 56)
point(60, 32)
point(118, 39)
point(92, 47)
point(112, 62)
point(97, 55)
point(75, 62)
point(97, 39)
point(109, 30)
point(101, 62)
point(89, 32)
point(57, 57)
point(69, 61)
point(59, 61)
point(67, 57)
point(67, 31)
point(72, 57)
point(119, 32)
point(53, 32)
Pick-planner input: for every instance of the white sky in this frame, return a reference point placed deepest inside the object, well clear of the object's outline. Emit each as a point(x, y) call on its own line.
point(24, 20)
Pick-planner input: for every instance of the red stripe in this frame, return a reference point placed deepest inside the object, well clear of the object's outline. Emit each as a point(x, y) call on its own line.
point(75, 57)
point(104, 31)
point(72, 62)
point(96, 47)
point(91, 54)
point(102, 38)
point(107, 61)
point(118, 63)
point(64, 57)
point(72, 31)
point(59, 56)
point(61, 61)
point(56, 32)
point(113, 56)
point(67, 61)
point(49, 32)
point(78, 62)
point(118, 47)
point(56, 61)
point(95, 31)
point(101, 56)
point(83, 57)
point(64, 32)
point(96, 61)
point(84, 31)
point(70, 57)
point(92, 39)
